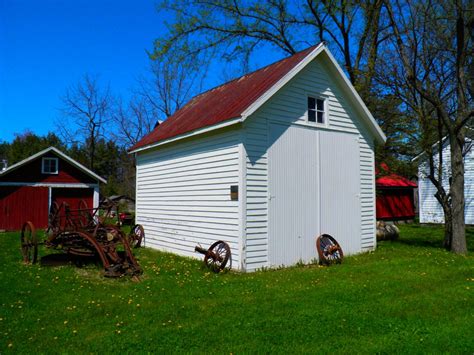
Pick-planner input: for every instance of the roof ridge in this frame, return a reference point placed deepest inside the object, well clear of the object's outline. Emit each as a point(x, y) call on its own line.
point(252, 72)
point(231, 102)
point(57, 152)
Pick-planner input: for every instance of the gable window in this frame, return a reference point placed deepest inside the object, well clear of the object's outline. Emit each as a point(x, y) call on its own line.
point(316, 110)
point(49, 166)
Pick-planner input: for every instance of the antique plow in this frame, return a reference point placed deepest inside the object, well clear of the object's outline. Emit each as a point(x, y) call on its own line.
point(217, 256)
point(83, 233)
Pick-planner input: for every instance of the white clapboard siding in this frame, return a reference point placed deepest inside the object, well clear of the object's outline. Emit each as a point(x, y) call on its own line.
point(183, 194)
point(289, 106)
point(256, 144)
point(430, 209)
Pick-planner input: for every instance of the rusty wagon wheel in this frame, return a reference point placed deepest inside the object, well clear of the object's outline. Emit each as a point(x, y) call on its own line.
point(29, 243)
point(84, 214)
point(217, 256)
point(137, 233)
point(54, 219)
point(329, 250)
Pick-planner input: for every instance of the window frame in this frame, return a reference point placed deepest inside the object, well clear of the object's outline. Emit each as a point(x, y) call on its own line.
point(43, 161)
point(325, 110)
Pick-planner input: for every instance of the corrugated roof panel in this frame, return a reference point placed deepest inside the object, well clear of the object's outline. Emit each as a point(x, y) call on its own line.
point(223, 102)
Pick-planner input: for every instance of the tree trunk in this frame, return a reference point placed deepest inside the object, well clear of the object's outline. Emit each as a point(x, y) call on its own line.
point(458, 244)
point(448, 229)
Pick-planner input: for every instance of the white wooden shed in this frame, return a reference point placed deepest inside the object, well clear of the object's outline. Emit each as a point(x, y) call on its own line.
point(296, 143)
point(429, 207)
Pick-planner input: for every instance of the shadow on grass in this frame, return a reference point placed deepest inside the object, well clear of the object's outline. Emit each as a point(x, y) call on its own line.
point(429, 236)
point(62, 259)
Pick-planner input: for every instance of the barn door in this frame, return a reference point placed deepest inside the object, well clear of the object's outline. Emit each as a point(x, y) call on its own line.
point(293, 194)
point(314, 185)
point(72, 196)
point(340, 188)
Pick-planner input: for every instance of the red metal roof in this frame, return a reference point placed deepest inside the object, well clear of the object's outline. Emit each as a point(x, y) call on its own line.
point(223, 102)
point(391, 179)
point(394, 180)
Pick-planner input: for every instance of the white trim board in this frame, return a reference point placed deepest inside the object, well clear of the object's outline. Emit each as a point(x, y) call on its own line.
point(56, 185)
point(202, 130)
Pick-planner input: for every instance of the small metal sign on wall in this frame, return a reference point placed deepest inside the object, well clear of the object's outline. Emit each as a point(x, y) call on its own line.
point(234, 192)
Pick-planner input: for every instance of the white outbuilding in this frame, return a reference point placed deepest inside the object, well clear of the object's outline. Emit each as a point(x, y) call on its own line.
point(266, 162)
point(429, 207)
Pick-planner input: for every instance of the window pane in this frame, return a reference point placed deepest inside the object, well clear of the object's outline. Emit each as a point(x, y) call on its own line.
point(311, 116)
point(320, 105)
point(50, 166)
point(320, 117)
point(311, 103)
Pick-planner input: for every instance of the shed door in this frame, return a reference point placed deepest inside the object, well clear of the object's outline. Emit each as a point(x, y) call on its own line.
point(72, 196)
point(340, 189)
point(293, 194)
point(314, 185)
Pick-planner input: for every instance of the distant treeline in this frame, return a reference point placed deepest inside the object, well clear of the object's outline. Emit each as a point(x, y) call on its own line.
point(111, 161)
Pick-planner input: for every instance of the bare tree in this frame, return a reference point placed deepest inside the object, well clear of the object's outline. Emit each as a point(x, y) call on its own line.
point(430, 74)
point(354, 29)
point(85, 115)
point(133, 120)
point(174, 78)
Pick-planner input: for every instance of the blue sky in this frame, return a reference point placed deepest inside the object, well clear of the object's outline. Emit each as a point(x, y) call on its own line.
point(47, 46)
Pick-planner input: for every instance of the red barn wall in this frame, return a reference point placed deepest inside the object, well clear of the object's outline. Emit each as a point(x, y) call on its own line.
point(19, 204)
point(31, 203)
point(395, 203)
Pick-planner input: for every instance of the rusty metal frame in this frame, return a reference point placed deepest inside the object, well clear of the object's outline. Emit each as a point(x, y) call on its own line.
point(84, 232)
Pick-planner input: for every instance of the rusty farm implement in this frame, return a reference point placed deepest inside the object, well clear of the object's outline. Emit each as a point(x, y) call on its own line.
point(217, 256)
point(86, 232)
point(329, 250)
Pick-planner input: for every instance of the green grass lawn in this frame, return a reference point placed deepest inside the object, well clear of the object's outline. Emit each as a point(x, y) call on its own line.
point(409, 296)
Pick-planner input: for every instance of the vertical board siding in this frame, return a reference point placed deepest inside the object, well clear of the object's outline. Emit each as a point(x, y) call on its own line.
point(19, 204)
point(340, 204)
point(294, 190)
point(183, 194)
point(289, 106)
point(430, 209)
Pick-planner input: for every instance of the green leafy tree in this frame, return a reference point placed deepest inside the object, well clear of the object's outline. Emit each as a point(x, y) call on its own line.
point(429, 66)
point(353, 29)
point(27, 144)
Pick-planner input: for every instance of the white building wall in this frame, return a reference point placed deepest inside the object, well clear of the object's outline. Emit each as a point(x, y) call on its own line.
point(430, 209)
point(289, 106)
point(183, 194)
point(256, 144)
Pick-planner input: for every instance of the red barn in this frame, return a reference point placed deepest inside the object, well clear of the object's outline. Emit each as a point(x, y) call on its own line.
point(28, 188)
point(395, 197)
